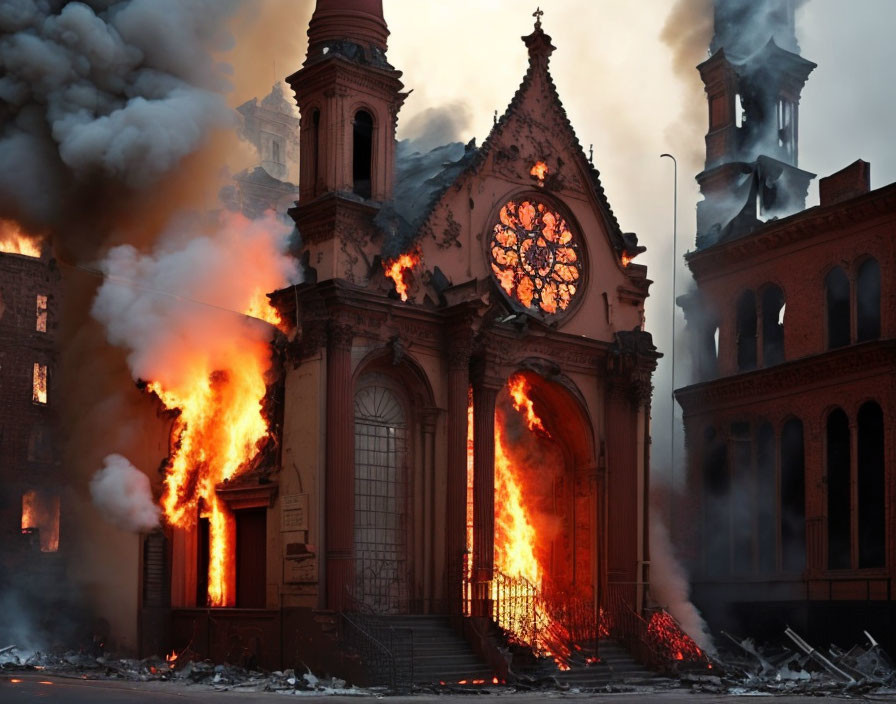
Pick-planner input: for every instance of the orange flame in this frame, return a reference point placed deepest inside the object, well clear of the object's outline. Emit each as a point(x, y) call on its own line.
point(14, 240)
point(217, 433)
point(399, 270)
point(40, 511)
point(626, 259)
point(540, 171)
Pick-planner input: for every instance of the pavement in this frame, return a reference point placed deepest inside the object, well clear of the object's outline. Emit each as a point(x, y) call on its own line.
point(21, 688)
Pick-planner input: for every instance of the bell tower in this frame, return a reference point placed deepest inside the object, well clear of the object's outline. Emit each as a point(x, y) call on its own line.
point(349, 97)
point(753, 82)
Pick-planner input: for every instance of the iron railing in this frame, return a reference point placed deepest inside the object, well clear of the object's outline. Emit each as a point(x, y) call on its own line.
point(631, 630)
point(386, 653)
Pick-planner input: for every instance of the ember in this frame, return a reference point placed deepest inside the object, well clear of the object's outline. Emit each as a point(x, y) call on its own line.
point(539, 171)
point(626, 259)
point(399, 270)
point(667, 638)
point(13, 240)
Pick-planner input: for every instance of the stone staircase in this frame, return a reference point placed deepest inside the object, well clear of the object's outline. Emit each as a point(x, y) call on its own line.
point(615, 665)
point(440, 655)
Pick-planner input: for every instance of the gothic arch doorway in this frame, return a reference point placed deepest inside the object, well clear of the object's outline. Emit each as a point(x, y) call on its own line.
point(381, 496)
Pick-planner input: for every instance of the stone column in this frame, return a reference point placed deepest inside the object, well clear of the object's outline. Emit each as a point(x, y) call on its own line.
point(340, 474)
point(485, 392)
point(456, 499)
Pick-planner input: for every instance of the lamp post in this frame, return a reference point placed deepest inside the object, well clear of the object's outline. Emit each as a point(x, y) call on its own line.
point(672, 356)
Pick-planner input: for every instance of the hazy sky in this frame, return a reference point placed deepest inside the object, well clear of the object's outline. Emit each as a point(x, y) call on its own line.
point(617, 81)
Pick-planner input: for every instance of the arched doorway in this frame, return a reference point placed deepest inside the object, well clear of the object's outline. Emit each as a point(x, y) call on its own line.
point(381, 497)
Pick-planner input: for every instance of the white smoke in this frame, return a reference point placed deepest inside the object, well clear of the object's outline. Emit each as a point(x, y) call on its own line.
point(669, 586)
point(123, 495)
point(179, 310)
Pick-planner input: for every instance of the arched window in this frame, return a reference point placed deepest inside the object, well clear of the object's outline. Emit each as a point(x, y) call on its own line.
point(746, 332)
point(838, 475)
point(872, 489)
point(868, 301)
point(836, 286)
point(362, 154)
point(766, 498)
point(793, 497)
point(716, 498)
point(315, 149)
point(380, 539)
point(772, 326)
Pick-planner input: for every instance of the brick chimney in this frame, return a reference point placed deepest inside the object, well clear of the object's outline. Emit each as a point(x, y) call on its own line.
point(853, 181)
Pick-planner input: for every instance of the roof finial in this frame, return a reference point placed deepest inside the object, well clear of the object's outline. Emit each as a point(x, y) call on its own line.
point(537, 15)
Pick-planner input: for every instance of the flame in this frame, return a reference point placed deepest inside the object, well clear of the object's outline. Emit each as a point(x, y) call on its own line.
point(219, 430)
point(171, 659)
point(40, 512)
point(399, 270)
point(539, 170)
point(14, 240)
point(626, 259)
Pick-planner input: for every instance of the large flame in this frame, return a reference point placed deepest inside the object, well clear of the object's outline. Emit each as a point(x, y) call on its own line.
point(399, 270)
point(14, 240)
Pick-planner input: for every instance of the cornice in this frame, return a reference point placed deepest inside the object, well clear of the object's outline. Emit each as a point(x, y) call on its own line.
point(715, 260)
point(830, 368)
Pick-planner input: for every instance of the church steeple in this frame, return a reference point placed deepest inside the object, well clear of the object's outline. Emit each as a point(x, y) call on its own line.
point(349, 97)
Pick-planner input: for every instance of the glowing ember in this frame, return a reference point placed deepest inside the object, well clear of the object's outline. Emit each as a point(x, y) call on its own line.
point(399, 270)
point(14, 240)
point(626, 259)
point(668, 639)
point(539, 171)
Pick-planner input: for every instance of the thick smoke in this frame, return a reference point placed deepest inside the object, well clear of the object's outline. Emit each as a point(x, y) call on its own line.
point(122, 494)
point(179, 310)
point(103, 97)
point(669, 586)
point(437, 126)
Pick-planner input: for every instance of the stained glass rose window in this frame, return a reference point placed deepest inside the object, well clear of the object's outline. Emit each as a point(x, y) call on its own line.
point(535, 256)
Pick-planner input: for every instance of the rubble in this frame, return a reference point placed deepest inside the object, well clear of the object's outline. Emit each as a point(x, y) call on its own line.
point(220, 677)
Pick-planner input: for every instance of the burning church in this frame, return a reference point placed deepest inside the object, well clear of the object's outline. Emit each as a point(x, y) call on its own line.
point(790, 456)
point(458, 418)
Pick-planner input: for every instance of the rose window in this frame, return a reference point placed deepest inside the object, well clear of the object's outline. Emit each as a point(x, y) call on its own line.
point(535, 256)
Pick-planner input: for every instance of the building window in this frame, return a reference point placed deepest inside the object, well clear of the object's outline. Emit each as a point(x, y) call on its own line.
point(871, 486)
point(868, 301)
point(838, 480)
point(40, 519)
point(746, 332)
point(742, 497)
point(275, 152)
point(836, 286)
point(39, 384)
point(380, 532)
point(40, 444)
point(315, 149)
point(766, 499)
point(251, 557)
point(772, 326)
point(717, 505)
point(793, 497)
point(362, 154)
point(41, 325)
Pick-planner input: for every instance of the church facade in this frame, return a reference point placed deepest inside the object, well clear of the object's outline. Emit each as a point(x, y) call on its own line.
point(423, 303)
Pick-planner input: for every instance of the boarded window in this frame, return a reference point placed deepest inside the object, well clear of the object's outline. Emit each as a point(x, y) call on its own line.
point(872, 489)
point(746, 332)
point(837, 299)
point(362, 154)
point(156, 580)
point(868, 301)
point(41, 325)
point(40, 519)
point(39, 384)
point(772, 326)
point(793, 498)
point(838, 463)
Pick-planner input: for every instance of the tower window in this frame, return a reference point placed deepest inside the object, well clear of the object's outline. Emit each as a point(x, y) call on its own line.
point(362, 155)
point(772, 326)
point(868, 301)
point(746, 332)
point(315, 149)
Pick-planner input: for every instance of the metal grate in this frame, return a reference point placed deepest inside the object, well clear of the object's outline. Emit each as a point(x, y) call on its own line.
point(380, 538)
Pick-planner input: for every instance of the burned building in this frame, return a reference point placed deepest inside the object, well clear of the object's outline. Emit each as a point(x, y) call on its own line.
point(465, 393)
point(789, 458)
point(29, 474)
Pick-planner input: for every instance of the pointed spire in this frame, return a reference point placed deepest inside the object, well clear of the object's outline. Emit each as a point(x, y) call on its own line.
point(357, 21)
point(538, 43)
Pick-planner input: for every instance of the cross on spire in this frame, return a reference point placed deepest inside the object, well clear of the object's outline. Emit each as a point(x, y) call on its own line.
point(537, 15)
